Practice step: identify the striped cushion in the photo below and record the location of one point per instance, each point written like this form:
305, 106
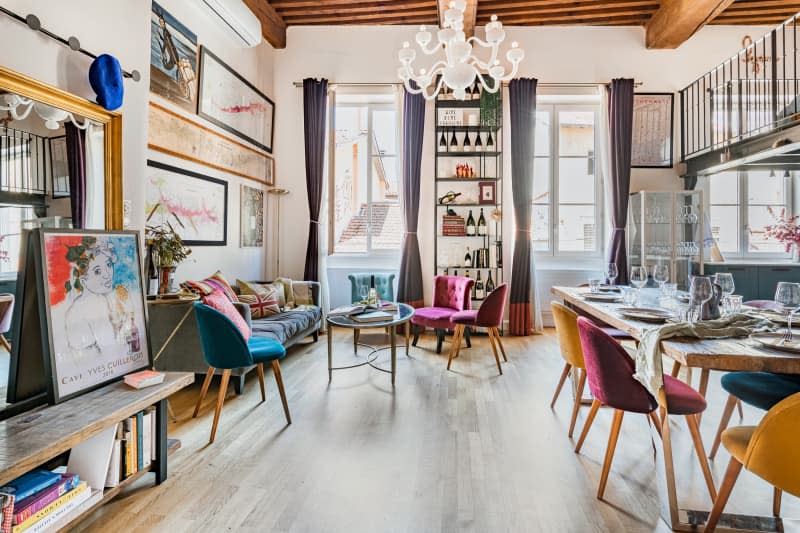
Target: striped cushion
262, 305
216, 281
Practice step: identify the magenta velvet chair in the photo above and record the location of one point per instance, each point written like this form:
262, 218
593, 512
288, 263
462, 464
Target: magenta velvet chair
490, 316
609, 370
451, 294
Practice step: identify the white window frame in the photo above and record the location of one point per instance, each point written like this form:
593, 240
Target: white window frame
371, 108
554, 203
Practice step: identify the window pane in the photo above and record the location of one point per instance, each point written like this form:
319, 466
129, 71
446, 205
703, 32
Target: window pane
541, 227
576, 228
387, 225
543, 123
763, 189
724, 188
385, 183
725, 227
350, 180
11, 218
541, 180
575, 132
575, 184
758, 217
384, 122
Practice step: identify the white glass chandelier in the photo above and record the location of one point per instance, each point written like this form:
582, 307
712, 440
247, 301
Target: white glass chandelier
20, 107
460, 67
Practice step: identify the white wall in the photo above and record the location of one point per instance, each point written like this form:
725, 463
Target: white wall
553, 54
122, 28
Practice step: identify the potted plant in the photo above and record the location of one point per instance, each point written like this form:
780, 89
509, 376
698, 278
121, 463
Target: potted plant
786, 231
166, 251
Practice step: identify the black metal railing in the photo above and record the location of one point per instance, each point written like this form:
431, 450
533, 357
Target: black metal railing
23, 162
753, 93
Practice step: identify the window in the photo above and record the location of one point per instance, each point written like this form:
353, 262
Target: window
739, 209
365, 197
11, 217
566, 188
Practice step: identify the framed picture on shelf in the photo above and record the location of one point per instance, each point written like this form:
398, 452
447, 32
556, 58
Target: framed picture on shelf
486, 192
652, 130
173, 59
233, 103
92, 308
252, 213
199, 202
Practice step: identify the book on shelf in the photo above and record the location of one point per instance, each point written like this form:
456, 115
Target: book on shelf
48, 515
147, 437
372, 316
153, 432
140, 441
6, 512
24, 509
144, 378
30, 483
114, 470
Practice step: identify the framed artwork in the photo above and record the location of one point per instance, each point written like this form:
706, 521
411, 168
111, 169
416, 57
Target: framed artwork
652, 130
94, 313
234, 104
252, 217
486, 192
59, 168
175, 135
173, 59
270, 175
199, 202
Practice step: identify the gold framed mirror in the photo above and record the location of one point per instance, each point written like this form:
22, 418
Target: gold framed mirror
27, 87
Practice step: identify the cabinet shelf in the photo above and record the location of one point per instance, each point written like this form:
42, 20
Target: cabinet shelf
468, 129
466, 205
468, 154
467, 180
474, 104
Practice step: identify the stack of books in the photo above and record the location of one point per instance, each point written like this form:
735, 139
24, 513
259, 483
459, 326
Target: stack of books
453, 226
134, 446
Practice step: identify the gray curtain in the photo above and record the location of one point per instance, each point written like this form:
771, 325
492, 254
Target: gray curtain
620, 117
522, 106
409, 283
315, 110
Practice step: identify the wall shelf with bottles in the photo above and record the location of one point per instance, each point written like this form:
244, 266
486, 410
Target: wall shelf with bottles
468, 239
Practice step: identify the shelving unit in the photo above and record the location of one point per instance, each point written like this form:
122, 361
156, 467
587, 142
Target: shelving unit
449, 250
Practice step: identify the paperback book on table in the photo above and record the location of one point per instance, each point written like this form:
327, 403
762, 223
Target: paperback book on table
357, 309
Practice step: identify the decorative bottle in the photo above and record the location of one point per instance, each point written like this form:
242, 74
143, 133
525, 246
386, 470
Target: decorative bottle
453, 142
468, 259
470, 224
479, 291
442, 143
478, 143
490, 143
489, 283
467, 146
481, 224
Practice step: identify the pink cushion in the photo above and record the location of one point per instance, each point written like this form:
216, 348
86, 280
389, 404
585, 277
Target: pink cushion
219, 301
433, 317
452, 291
681, 398
464, 317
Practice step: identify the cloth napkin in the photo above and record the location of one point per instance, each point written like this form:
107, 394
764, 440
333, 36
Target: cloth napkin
649, 370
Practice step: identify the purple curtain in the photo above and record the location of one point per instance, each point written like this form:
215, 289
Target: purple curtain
409, 284
620, 133
76, 164
315, 109
522, 105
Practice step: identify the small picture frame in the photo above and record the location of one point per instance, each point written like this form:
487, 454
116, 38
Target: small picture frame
486, 192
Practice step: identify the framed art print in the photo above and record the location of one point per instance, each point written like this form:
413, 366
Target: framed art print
233, 103
199, 202
94, 313
652, 130
173, 59
252, 213
486, 192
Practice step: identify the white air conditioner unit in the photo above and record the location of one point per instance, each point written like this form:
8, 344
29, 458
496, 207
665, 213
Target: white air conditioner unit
239, 19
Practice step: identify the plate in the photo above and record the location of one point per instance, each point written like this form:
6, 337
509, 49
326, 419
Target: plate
609, 288
647, 314
774, 340
602, 297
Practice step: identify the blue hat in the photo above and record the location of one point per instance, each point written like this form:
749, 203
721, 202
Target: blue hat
105, 77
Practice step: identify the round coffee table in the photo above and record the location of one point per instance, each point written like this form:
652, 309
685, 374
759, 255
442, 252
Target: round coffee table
402, 315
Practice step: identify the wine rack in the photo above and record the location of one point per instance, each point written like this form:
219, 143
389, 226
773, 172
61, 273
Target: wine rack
468, 135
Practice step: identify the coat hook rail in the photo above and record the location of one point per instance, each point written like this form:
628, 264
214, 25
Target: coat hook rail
33, 22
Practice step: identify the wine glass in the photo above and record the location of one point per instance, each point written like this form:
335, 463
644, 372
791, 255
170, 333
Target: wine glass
612, 273
363, 291
700, 291
661, 275
788, 295
638, 279
726, 284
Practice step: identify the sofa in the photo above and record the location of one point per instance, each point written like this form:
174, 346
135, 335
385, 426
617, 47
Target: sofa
184, 352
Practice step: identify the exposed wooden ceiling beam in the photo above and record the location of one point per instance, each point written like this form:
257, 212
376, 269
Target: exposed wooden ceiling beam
273, 27
428, 15
572, 7
470, 15
677, 20
340, 6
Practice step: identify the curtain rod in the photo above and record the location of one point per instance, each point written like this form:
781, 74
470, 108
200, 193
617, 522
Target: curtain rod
543, 84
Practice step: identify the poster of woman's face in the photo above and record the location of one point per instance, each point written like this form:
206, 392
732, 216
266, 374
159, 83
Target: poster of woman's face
95, 308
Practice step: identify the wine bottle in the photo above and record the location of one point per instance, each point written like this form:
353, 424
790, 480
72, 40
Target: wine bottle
468, 259
489, 283
152, 274
442, 143
499, 249
481, 224
455, 272
479, 291
478, 143
372, 299
470, 224
467, 146
490, 143
476, 90
453, 143
449, 198
466, 274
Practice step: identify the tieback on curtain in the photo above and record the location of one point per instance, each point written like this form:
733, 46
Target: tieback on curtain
520, 230
411, 232
314, 221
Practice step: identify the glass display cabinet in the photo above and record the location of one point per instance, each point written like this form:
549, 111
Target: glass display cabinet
667, 227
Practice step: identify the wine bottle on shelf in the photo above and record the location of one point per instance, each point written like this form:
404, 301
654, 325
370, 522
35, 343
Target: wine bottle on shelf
478, 143
453, 142
481, 224
442, 143
449, 198
490, 143
455, 272
466, 274
468, 259
152, 274
489, 283
479, 290
499, 249
470, 224
467, 145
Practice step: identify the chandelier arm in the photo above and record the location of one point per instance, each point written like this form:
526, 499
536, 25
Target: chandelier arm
492, 88
479, 41
487, 64
83, 126
24, 114
512, 74
429, 51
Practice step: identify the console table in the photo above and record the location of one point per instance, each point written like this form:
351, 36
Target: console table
31, 439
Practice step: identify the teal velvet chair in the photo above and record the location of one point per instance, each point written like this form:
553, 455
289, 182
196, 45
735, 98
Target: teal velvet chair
384, 283
224, 348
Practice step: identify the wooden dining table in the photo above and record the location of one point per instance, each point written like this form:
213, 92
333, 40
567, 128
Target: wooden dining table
733, 354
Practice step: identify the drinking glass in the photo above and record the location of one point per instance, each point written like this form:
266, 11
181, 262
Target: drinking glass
363, 292
661, 275
788, 295
612, 273
638, 279
733, 304
725, 282
594, 285
700, 291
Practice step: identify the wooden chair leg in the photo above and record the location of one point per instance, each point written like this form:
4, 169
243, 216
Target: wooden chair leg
723, 423
731, 474
741, 411
616, 424
588, 424
777, 495
456, 344
656, 421
223, 388
260, 371
676, 369
496, 334
203, 391
703, 388
694, 429
276, 369
5, 343
467, 338
577, 405
561, 380
494, 351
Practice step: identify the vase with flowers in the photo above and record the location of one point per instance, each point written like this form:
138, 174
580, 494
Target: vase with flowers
786, 231
166, 251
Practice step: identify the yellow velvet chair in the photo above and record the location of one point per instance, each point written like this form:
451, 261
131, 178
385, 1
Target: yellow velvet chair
566, 321
770, 451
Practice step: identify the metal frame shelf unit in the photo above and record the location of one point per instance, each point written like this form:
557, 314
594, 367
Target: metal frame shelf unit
456, 120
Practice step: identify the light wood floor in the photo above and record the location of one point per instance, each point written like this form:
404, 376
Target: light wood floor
465, 450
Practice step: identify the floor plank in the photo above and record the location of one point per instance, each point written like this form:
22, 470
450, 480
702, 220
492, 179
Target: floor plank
465, 450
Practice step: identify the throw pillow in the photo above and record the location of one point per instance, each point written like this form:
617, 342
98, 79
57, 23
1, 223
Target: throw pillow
248, 287
216, 281
301, 290
286, 283
219, 301
262, 305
